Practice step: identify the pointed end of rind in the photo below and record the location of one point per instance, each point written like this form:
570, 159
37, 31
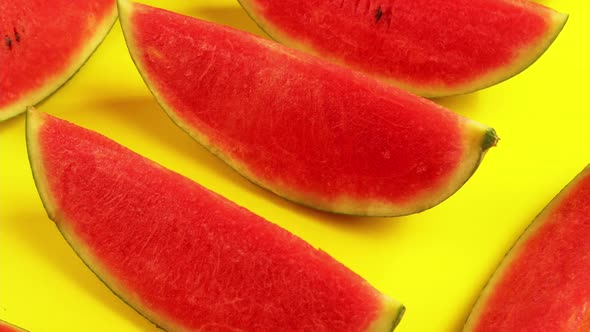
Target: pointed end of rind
559, 21
389, 316
490, 139
32, 124
34, 120
400, 314
124, 7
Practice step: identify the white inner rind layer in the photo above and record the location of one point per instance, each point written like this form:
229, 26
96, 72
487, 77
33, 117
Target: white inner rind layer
473, 133
389, 317
34, 122
514, 253
53, 83
525, 56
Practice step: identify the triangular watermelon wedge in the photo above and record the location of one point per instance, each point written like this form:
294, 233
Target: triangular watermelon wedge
44, 43
543, 283
433, 48
183, 256
315, 133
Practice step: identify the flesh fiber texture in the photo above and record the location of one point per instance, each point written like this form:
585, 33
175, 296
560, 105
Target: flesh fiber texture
430, 47
183, 256
542, 283
308, 130
44, 44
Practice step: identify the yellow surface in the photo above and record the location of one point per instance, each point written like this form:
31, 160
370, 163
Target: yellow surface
434, 262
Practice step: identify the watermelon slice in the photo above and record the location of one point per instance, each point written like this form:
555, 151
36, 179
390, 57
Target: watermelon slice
44, 43
7, 327
430, 47
183, 256
543, 283
310, 131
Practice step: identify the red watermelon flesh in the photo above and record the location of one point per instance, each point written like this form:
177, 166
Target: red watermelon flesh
543, 283
310, 131
7, 327
183, 256
430, 47
44, 43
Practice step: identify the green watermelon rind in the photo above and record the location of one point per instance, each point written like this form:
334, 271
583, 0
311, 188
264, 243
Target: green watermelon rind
392, 325
496, 76
478, 139
515, 250
52, 86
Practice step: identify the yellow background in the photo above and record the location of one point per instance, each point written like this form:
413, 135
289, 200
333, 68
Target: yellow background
434, 262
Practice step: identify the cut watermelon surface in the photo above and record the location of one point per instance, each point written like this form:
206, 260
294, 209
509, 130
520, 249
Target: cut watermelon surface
44, 44
430, 47
543, 283
183, 256
308, 130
